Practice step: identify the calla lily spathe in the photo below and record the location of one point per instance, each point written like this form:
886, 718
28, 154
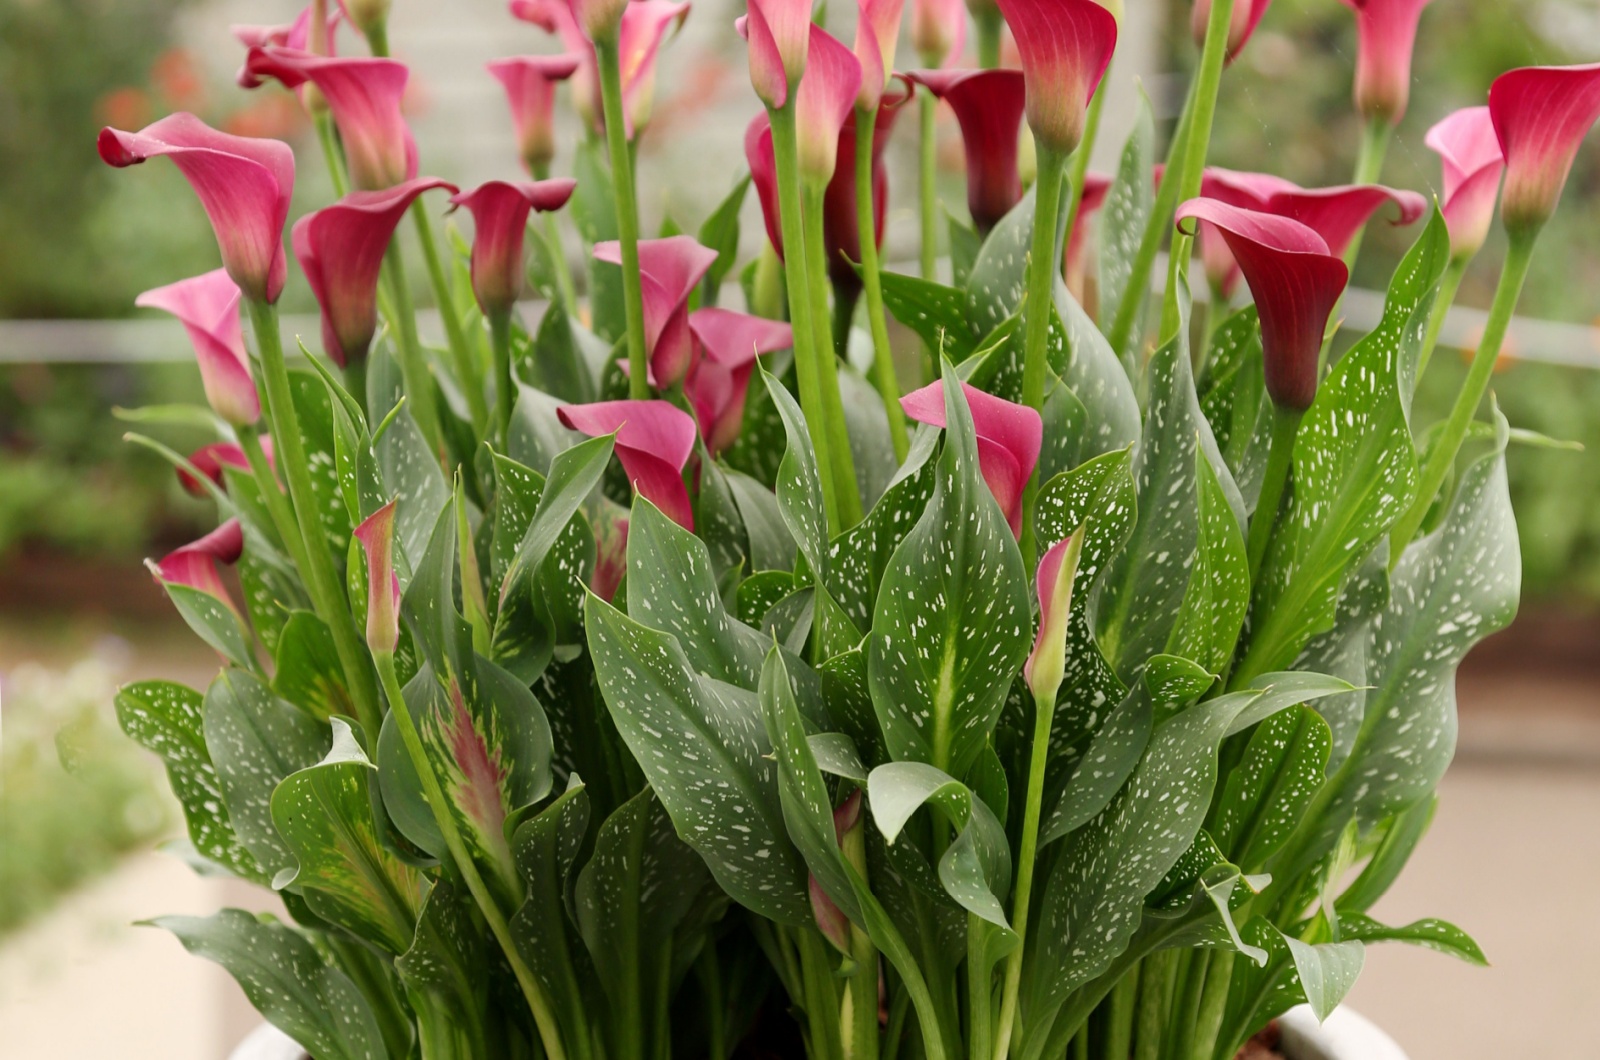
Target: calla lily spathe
296, 34
1009, 438
1541, 114
195, 565
670, 269
376, 535
988, 105
1241, 27
500, 212
243, 183
938, 31
877, 33
1047, 663
719, 382
1065, 46
340, 248
208, 307
823, 103
1469, 154
779, 36
530, 83
1386, 33
210, 460
654, 440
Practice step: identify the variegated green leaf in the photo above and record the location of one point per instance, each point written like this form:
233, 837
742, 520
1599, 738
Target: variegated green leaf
938, 314
546, 847
446, 974
213, 621
308, 671
1267, 792
1326, 971
1122, 219
1429, 933
857, 558
1213, 607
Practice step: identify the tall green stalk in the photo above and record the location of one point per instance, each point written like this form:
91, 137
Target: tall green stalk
989, 22
1280, 455
1442, 457
609, 68
1448, 286
866, 227
1375, 138
413, 359
927, 182
504, 382
455, 336
816, 260
327, 594
1043, 267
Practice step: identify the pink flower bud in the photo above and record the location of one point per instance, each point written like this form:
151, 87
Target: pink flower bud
823, 103
779, 35
877, 32
376, 534
210, 460
1241, 27
720, 380
1047, 664
1386, 33
208, 307
530, 84
938, 31
1469, 154
1065, 46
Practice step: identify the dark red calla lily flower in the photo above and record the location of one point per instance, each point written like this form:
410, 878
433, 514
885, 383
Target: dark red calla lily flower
500, 211
718, 384
1065, 46
1009, 438
208, 307
1296, 281
243, 183
340, 248
989, 105
364, 96
376, 535
195, 565
1241, 27
938, 31
654, 441
530, 83
1469, 154
209, 460
1541, 114
1076, 268
1386, 32
670, 269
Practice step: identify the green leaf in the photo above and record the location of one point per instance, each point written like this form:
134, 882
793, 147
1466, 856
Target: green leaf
857, 559
938, 314
836, 753
346, 874
546, 847
1429, 933
556, 362
554, 594
705, 753
1175, 681
287, 980
309, 674
1123, 218
315, 410
410, 473
1212, 611
446, 975
720, 232
1098, 380
964, 246
1233, 395
1101, 771
799, 483
1401, 834
1268, 791
950, 627
1326, 971
760, 593
167, 718
770, 545
213, 621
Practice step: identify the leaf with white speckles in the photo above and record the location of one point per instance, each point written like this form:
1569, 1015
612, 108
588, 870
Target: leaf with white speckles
1100, 772
546, 847
1429, 933
1233, 395
1123, 218
1326, 970
938, 314
857, 557
1267, 792
1212, 611
308, 671
446, 970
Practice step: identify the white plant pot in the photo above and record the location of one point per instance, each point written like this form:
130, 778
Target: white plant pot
1347, 1035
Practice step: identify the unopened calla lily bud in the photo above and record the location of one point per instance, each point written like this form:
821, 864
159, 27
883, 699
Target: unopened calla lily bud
823, 103
1386, 33
1065, 46
376, 534
208, 307
1047, 665
779, 36
1241, 27
938, 31
369, 16
1541, 114
847, 828
1469, 155
210, 460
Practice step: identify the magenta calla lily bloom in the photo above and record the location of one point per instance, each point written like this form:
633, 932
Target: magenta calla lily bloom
364, 96
500, 211
530, 84
296, 34
1096, 186
1338, 213
1009, 438
1541, 114
208, 307
1386, 32
210, 460
1058, 571
670, 269
1241, 27
763, 164
1065, 46
877, 33
195, 565
376, 534
1296, 281
720, 381
823, 103
779, 37
938, 31
1469, 154
340, 249
988, 105
654, 442
244, 184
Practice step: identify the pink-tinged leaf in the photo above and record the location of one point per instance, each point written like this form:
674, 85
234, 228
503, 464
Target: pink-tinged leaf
1469, 155
611, 553
988, 105
1241, 27
1296, 282
208, 307
1065, 46
1386, 32
779, 36
364, 96
376, 535
938, 31
823, 102
1009, 437
720, 381
670, 269
654, 440
1541, 114
499, 223
530, 83
340, 248
243, 183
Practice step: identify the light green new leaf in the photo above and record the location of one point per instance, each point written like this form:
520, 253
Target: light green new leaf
1326, 970
1429, 933
1401, 834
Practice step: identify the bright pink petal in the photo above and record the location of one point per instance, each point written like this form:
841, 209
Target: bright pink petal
938, 30
499, 222
779, 36
764, 175
376, 534
243, 183
1386, 32
530, 84
1066, 46
645, 24
209, 460
1337, 214
195, 565
720, 381
1541, 114
1469, 155
877, 32
1296, 282
823, 102
1009, 438
654, 440
340, 248
296, 34
1055, 606
208, 307
364, 96
670, 269
989, 105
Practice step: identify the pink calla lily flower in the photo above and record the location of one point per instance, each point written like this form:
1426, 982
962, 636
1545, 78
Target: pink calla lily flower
610, 552
340, 249
938, 31
364, 96
720, 381
1296, 280
530, 84
758, 154
877, 33
208, 307
1241, 27
599, 19
779, 37
195, 565
1058, 570
376, 535
210, 460
1009, 439
243, 183
1541, 114
500, 222
654, 441
823, 103
1386, 32
1065, 46
670, 270
1469, 154
1096, 186
989, 105
296, 34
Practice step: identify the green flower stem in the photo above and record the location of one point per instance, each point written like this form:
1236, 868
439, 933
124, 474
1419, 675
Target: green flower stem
1213, 1004
1448, 286
863, 1029
504, 383
1158, 975
1155, 228
927, 183
821, 997
1198, 141
894, 1033
882, 357
413, 360
608, 65
816, 261
1080, 1043
1079, 172
543, 1014
331, 153
378, 38
989, 22
1043, 718
327, 595
1118, 1042
455, 336
1285, 424
1442, 457
1044, 266
1369, 165
807, 373
278, 509
1186, 1004
980, 990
